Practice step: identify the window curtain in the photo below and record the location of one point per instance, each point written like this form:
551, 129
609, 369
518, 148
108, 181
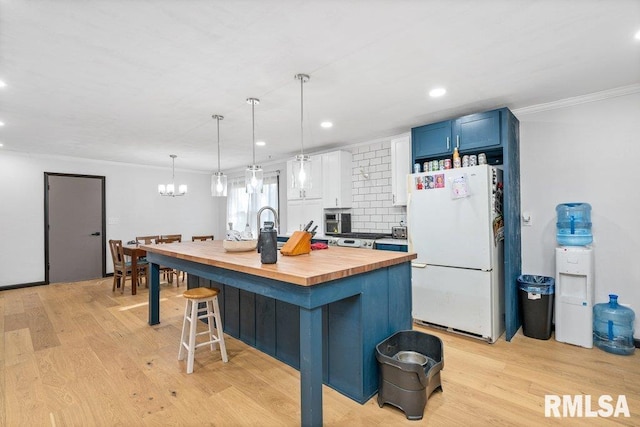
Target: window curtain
242, 207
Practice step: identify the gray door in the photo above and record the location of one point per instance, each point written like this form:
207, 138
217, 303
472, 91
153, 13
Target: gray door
74, 229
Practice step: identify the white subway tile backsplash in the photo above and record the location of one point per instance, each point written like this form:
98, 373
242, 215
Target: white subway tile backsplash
380, 154
377, 146
372, 209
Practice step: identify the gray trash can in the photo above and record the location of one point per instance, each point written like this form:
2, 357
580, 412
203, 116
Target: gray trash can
409, 363
536, 305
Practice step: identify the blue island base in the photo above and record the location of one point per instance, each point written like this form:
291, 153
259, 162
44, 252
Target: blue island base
351, 327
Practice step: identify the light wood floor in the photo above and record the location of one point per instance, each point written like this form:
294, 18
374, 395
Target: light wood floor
76, 354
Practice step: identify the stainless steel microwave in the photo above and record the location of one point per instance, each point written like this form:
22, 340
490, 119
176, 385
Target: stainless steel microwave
337, 223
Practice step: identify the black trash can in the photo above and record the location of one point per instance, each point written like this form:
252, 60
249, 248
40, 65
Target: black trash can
536, 305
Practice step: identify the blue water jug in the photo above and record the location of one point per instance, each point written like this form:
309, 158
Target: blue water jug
574, 224
613, 327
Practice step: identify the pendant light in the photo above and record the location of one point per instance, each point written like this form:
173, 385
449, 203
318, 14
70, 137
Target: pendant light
254, 174
170, 189
301, 171
218, 179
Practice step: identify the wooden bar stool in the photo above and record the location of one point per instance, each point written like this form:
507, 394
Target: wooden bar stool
211, 312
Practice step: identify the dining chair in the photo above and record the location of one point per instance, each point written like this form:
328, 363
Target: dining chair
122, 268
169, 272
201, 238
147, 240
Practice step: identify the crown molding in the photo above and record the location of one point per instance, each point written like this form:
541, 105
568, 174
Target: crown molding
576, 100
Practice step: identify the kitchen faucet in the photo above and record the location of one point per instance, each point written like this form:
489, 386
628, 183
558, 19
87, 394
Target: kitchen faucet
275, 216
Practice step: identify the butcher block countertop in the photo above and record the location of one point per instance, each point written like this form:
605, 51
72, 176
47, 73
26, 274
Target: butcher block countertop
305, 270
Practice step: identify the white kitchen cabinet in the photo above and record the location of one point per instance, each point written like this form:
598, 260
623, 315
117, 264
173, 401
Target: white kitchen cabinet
400, 168
337, 180
300, 212
315, 192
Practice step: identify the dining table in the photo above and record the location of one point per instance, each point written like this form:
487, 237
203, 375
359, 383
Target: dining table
135, 252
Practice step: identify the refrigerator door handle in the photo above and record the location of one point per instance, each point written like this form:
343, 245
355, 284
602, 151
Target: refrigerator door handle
418, 265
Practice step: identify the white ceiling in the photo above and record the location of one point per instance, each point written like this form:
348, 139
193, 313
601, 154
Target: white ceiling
135, 81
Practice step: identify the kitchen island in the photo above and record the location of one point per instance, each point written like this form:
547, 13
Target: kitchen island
345, 301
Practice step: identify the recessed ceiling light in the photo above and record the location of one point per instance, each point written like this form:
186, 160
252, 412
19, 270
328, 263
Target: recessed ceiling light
1, 144
637, 36
261, 143
2, 84
439, 91
326, 125
1, 123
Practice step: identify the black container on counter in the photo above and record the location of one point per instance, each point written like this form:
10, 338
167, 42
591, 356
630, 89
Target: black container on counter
268, 244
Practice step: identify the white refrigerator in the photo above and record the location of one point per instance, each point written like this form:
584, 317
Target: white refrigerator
455, 225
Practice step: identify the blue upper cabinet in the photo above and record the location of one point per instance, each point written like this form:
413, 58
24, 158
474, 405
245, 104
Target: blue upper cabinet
471, 134
431, 140
477, 131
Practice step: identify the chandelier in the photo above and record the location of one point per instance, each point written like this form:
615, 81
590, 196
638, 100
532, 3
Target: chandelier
170, 189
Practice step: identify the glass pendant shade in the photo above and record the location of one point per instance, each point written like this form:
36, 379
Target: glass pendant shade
218, 179
253, 178
301, 178
170, 189
218, 184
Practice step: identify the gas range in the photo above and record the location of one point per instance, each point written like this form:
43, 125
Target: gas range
356, 240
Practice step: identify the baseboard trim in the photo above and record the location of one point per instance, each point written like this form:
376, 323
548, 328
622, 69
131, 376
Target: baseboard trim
22, 285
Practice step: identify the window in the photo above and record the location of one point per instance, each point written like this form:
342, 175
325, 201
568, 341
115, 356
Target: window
242, 207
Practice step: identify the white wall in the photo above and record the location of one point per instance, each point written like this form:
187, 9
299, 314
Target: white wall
133, 207
585, 153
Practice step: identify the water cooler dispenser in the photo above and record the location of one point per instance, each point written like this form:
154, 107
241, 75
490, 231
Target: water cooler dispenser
574, 296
